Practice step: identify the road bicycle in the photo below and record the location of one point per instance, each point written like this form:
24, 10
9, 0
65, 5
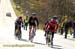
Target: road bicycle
32, 34
18, 33
49, 41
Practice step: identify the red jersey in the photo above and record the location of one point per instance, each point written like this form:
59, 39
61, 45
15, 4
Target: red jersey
52, 26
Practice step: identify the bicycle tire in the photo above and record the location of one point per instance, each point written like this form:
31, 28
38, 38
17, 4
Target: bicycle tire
18, 34
32, 36
48, 39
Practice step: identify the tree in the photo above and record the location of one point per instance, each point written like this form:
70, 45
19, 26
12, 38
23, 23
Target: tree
46, 8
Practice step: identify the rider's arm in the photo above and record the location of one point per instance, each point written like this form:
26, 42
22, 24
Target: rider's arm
47, 26
29, 20
37, 22
56, 28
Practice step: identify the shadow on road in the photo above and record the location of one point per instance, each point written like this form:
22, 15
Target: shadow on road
24, 40
32, 42
38, 43
57, 47
54, 46
72, 39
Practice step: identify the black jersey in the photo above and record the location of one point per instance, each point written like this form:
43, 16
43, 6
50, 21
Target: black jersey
33, 21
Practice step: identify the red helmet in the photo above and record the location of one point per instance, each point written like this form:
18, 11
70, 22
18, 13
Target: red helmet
20, 17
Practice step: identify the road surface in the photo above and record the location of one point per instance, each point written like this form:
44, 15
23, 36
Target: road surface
8, 41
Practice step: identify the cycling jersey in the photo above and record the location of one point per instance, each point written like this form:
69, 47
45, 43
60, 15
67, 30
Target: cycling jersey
33, 21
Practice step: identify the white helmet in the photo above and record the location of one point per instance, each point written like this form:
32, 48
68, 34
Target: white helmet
55, 17
33, 14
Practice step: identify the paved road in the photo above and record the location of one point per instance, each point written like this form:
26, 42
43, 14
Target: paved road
5, 6
7, 33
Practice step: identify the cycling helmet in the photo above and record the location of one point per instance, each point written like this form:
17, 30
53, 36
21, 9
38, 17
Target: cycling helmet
55, 17
20, 17
33, 14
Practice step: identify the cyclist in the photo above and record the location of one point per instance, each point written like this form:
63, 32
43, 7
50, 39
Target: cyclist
45, 27
51, 28
33, 23
18, 25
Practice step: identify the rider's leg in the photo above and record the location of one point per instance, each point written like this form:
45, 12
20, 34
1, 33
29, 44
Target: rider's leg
19, 33
46, 38
52, 38
30, 27
34, 28
52, 35
15, 30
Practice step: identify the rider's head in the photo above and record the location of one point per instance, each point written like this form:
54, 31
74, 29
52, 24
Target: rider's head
33, 15
20, 18
54, 17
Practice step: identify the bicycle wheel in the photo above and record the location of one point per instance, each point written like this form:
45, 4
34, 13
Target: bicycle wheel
18, 34
48, 39
32, 36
